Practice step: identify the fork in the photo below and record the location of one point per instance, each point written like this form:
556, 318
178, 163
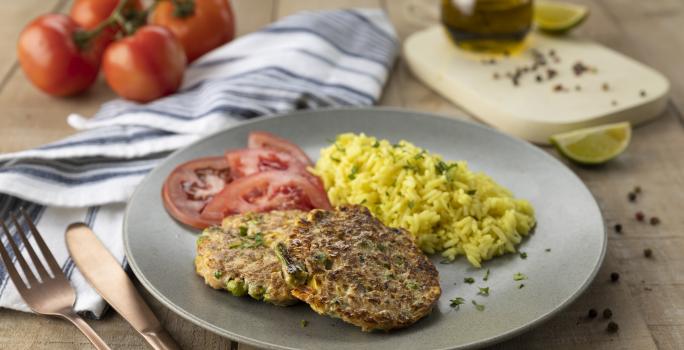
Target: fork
51, 295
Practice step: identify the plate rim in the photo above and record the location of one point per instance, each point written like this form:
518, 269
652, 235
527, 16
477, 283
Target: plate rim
475, 344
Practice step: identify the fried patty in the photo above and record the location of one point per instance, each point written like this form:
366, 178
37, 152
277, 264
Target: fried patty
237, 256
347, 264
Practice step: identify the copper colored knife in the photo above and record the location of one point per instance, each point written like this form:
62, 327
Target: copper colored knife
105, 274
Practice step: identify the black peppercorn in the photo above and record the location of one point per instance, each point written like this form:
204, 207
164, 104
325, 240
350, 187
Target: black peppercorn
654, 221
631, 196
612, 327
607, 313
592, 313
648, 252
618, 228
614, 276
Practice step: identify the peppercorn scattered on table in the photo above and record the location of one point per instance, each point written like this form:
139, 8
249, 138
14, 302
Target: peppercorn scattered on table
637, 299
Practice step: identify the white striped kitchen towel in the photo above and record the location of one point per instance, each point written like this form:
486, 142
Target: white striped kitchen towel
305, 61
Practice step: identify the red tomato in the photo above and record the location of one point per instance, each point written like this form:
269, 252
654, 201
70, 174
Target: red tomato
244, 162
51, 59
145, 66
191, 186
266, 191
263, 139
249, 161
89, 13
208, 27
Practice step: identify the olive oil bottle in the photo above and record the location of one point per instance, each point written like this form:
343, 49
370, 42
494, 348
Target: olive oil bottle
487, 25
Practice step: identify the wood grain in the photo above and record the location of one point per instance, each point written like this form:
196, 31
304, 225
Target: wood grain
647, 301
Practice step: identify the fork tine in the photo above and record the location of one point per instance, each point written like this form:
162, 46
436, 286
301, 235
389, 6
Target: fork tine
56, 269
14, 275
30, 277
36, 262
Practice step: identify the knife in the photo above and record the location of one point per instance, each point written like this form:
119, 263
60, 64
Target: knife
105, 274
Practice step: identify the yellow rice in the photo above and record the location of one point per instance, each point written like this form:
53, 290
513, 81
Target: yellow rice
446, 207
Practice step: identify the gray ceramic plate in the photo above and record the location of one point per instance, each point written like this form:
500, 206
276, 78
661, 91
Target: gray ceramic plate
161, 252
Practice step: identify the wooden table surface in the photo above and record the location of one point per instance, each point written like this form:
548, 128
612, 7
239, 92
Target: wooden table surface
648, 300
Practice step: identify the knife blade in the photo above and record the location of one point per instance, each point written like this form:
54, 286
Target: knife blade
106, 275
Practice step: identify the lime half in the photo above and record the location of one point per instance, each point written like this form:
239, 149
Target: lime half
594, 145
558, 17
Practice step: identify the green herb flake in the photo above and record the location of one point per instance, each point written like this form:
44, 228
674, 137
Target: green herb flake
471, 192
443, 168
411, 204
456, 302
354, 171
304, 323
469, 280
412, 285
548, 250
376, 144
521, 286
483, 291
486, 276
243, 231
479, 307
218, 274
419, 155
523, 255
336, 160
519, 276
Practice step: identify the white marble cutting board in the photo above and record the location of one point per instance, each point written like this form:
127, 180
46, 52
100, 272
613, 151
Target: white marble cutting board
618, 89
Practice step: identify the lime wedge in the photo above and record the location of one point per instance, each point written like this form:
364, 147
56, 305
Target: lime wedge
594, 145
558, 17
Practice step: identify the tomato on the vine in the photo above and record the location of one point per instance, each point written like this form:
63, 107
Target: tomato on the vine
90, 13
145, 66
54, 60
200, 25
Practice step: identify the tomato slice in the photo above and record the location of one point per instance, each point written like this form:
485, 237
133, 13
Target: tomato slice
266, 191
191, 186
263, 139
244, 162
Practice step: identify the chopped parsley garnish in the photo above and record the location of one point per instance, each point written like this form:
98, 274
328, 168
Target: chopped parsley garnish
456, 302
218, 274
483, 291
469, 280
243, 231
304, 323
354, 171
486, 276
519, 276
419, 155
548, 250
397, 145
523, 255
336, 160
479, 307
339, 148
411, 204
471, 192
376, 144
443, 168
521, 286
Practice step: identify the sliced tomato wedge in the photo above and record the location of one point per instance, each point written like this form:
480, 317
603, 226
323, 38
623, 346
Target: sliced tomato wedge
249, 161
191, 186
244, 162
266, 191
263, 139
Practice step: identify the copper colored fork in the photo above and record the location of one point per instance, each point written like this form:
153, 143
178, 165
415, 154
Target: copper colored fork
52, 294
